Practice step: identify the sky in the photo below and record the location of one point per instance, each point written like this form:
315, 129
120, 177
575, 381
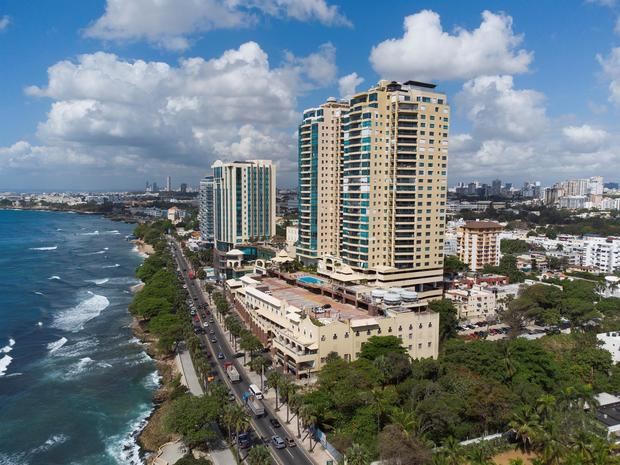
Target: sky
107, 94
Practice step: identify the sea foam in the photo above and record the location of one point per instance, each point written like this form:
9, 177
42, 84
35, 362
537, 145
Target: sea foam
54, 247
55, 277
98, 282
4, 364
56, 345
124, 448
74, 319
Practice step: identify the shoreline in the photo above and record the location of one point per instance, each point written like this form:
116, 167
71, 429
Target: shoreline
111, 216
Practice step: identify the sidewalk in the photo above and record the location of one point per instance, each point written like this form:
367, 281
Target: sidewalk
219, 453
319, 455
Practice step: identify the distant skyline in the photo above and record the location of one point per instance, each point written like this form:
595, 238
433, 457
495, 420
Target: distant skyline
106, 94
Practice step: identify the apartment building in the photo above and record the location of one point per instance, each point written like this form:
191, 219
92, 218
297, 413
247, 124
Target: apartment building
479, 244
205, 212
244, 195
320, 165
385, 152
473, 304
301, 332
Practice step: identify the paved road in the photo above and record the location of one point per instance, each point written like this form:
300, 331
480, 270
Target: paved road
262, 427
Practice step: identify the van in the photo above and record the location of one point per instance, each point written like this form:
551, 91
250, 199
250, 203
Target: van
255, 391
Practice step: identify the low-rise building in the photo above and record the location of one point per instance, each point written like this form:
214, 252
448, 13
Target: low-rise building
473, 304
611, 343
532, 262
302, 328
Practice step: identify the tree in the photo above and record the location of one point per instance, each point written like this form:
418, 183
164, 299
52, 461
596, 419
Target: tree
452, 264
236, 420
274, 379
190, 417
259, 455
526, 426
448, 319
258, 365
381, 345
395, 448
514, 246
357, 455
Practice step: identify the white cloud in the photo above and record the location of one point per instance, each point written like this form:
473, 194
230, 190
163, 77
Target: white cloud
584, 138
497, 110
171, 23
607, 3
111, 112
347, 85
611, 70
4, 22
427, 52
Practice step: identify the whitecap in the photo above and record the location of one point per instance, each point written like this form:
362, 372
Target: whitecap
98, 282
44, 248
94, 233
137, 250
113, 231
124, 448
9, 347
152, 381
74, 319
77, 349
56, 345
99, 252
85, 365
54, 440
116, 265
55, 277
38, 292
39, 324
106, 248
4, 364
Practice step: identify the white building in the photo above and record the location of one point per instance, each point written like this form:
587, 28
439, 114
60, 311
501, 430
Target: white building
611, 343
473, 304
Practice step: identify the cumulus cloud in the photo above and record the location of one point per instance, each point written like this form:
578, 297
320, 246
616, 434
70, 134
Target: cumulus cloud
171, 23
427, 52
347, 85
4, 22
109, 112
497, 110
585, 138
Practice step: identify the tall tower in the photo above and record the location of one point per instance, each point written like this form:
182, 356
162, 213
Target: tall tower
205, 212
168, 184
244, 196
393, 176
320, 161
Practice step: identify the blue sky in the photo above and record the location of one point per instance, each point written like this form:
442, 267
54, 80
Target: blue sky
532, 86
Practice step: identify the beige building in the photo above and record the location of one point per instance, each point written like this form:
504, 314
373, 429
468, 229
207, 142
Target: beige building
474, 304
301, 332
479, 244
320, 181
394, 156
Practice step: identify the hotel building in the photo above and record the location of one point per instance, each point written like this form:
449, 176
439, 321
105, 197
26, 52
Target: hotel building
320, 165
391, 173
205, 212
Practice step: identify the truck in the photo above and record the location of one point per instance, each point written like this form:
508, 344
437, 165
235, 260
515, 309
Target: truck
255, 406
232, 372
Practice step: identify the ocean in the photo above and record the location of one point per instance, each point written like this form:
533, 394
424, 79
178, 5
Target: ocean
75, 385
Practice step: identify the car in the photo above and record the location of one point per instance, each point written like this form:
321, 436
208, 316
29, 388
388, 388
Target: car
210, 320
278, 442
231, 396
290, 442
275, 423
213, 339
184, 286
193, 313
220, 355
212, 331
206, 325
238, 355
244, 440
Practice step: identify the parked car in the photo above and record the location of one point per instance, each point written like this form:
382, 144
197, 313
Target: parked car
244, 440
275, 423
278, 442
214, 339
220, 356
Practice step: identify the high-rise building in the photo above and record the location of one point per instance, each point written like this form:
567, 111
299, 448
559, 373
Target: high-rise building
391, 173
496, 188
168, 184
478, 244
205, 212
320, 160
244, 196
183, 188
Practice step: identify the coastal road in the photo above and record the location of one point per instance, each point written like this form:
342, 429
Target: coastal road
263, 428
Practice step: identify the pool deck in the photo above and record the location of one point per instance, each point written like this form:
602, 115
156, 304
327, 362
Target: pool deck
302, 298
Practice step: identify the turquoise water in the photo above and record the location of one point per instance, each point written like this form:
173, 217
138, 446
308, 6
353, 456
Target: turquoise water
75, 386
310, 280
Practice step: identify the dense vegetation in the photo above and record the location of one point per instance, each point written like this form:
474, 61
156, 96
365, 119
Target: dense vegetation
389, 405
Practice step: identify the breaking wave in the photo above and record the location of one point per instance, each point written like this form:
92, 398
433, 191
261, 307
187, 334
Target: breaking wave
74, 319
44, 248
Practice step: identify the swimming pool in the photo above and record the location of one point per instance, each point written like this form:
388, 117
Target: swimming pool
310, 280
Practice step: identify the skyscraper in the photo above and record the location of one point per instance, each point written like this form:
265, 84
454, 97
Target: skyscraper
205, 212
392, 177
320, 162
168, 184
244, 196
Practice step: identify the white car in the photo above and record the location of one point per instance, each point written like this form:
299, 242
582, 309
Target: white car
206, 325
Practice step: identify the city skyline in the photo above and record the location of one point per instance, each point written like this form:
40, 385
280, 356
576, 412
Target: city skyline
127, 97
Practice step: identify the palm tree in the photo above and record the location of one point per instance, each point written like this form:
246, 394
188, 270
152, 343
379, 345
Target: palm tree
287, 389
274, 378
259, 455
236, 419
480, 455
552, 449
308, 415
258, 365
357, 455
453, 451
295, 401
546, 406
525, 424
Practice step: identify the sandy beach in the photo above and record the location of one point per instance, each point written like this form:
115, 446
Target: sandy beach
143, 247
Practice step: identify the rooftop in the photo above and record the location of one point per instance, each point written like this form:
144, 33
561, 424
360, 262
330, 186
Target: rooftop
482, 225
